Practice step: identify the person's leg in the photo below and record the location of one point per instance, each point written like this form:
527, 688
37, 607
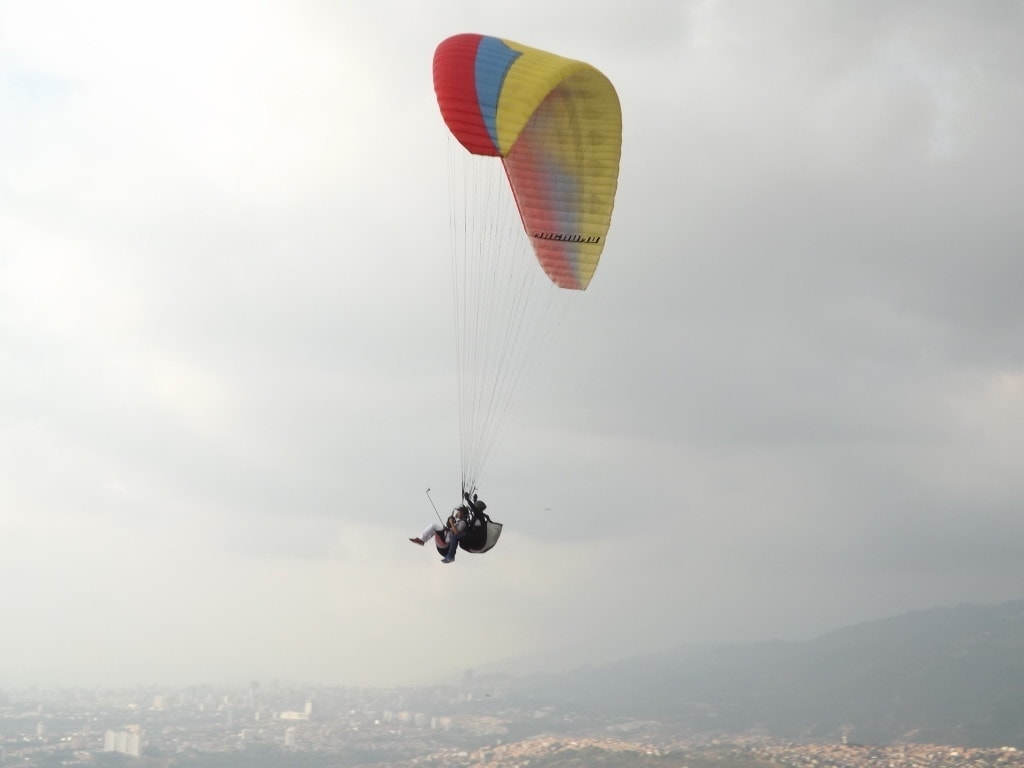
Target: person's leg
429, 533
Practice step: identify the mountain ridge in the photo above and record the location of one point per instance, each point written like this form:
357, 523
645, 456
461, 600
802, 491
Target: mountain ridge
943, 675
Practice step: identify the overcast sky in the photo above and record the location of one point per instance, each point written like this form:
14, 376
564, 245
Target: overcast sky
792, 398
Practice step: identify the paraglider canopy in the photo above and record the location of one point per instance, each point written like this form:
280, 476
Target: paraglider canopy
557, 126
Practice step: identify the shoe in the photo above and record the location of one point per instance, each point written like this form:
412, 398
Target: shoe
417, 540
447, 560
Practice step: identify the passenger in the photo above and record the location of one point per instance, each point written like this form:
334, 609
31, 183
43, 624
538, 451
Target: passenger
447, 536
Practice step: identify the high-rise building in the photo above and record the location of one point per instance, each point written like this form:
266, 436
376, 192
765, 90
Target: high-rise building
127, 742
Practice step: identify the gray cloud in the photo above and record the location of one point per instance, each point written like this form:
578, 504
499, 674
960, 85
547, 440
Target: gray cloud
792, 398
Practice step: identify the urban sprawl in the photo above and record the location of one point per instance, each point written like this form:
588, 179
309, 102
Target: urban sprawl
276, 724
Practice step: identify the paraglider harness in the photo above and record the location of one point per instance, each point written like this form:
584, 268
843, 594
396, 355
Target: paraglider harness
482, 533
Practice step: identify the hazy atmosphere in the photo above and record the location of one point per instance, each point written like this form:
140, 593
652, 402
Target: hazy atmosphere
791, 399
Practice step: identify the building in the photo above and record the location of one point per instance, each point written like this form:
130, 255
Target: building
126, 742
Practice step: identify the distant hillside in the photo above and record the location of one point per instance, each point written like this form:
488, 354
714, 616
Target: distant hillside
946, 676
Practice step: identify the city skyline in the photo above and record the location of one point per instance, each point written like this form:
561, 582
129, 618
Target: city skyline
207, 724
